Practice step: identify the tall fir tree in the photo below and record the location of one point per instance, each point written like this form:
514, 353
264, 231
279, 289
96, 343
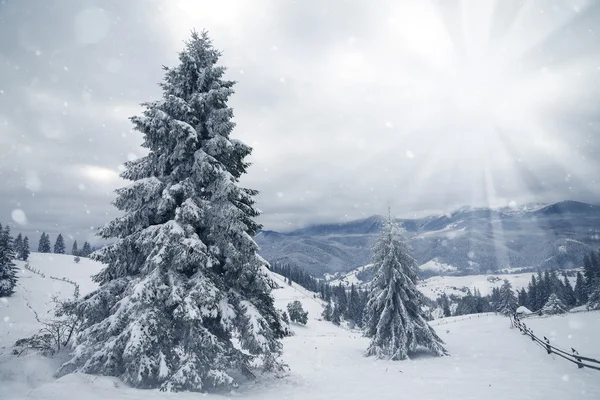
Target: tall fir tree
8, 271
581, 290
74, 249
446, 306
568, 292
532, 291
523, 299
355, 308
184, 301
86, 250
508, 301
44, 244
59, 245
394, 319
18, 246
25, 250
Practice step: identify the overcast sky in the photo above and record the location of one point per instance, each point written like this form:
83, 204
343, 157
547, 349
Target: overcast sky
349, 105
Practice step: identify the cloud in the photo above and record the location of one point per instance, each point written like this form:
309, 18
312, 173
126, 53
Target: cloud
349, 106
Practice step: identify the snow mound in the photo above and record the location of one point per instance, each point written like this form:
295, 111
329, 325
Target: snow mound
523, 310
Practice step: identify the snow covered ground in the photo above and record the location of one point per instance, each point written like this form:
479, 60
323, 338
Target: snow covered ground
488, 359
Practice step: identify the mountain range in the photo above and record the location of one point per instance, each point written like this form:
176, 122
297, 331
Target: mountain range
466, 241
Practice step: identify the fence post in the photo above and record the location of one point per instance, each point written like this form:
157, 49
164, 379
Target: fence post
548, 348
575, 354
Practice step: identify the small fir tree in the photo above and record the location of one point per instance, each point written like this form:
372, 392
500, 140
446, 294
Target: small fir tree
8, 271
554, 306
25, 249
74, 249
297, 313
86, 250
59, 245
18, 246
508, 302
44, 243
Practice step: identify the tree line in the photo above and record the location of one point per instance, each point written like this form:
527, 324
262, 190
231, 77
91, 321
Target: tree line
44, 246
548, 283
17, 248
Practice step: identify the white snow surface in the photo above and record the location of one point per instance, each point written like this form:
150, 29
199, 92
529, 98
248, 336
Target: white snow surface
488, 358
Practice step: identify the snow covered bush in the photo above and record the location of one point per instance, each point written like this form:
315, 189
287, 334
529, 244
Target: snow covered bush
554, 306
77, 259
394, 319
297, 313
285, 322
184, 301
594, 300
56, 333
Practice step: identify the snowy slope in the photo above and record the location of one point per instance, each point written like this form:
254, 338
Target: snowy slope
433, 287
488, 360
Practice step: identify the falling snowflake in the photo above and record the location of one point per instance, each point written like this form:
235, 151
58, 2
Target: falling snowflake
19, 216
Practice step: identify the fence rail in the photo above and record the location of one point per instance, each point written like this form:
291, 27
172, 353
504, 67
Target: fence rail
64, 279
572, 356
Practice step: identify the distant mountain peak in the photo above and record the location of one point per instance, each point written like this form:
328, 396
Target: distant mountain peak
472, 239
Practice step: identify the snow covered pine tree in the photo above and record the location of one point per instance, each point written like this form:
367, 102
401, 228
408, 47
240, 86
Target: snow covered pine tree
394, 319
8, 271
554, 306
184, 300
507, 303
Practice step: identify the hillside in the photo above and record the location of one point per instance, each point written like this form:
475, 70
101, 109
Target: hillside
488, 359
466, 241
434, 286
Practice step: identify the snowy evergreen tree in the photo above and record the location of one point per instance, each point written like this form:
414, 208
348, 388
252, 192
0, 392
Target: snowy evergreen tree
59, 245
568, 292
522, 298
327, 311
336, 314
355, 308
591, 270
25, 249
86, 250
285, 323
446, 306
18, 246
594, 300
8, 271
581, 293
507, 302
74, 249
554, 306
184, 301
532, 294
394, 319
44, 244
297, 313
